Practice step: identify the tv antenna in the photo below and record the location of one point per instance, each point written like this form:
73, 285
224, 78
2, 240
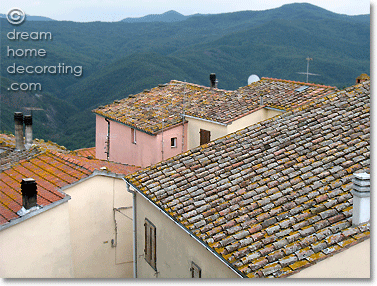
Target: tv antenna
33, 108
307, 70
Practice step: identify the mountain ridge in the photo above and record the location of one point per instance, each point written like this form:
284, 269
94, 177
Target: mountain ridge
122, 58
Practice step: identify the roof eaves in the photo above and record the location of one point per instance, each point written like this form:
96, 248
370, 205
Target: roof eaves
210, 249
206, 120
126, 124
94, 174
36, 212
299, 82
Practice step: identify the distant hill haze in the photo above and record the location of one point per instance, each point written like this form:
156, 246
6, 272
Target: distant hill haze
169, 16
32, 18
122, 58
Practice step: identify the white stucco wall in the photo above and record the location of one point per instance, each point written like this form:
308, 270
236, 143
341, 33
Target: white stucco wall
93, 227
38, 247
175, 249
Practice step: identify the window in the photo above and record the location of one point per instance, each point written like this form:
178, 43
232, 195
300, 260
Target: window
133, 136
173, 142
196, 272
150, 244
205, 136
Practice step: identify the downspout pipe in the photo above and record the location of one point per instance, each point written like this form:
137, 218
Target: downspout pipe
108, 140
134, 227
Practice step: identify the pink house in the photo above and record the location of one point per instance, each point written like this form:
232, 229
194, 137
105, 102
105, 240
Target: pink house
118, 142
156, 124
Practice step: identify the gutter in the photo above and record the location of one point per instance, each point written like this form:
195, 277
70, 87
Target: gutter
134, 227
185, 230
207, 120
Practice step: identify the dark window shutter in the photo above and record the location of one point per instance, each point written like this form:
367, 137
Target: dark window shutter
205, 136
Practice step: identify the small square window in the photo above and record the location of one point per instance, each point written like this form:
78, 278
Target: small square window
173, 142
133, 135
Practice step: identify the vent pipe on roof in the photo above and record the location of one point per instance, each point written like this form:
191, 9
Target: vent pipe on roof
361, 198
28, 120
212, 78
29, 193
19, 130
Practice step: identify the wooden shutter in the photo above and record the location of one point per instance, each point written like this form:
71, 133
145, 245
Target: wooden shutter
150, 244
205, 136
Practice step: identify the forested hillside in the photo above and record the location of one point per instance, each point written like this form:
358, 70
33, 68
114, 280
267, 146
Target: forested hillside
123, 58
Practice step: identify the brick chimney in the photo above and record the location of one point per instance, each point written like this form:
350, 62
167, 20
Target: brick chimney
363, 77
212, 78
28, 120
361, 198
19, 130
29, 193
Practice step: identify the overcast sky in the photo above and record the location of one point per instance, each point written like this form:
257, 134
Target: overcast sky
116, 10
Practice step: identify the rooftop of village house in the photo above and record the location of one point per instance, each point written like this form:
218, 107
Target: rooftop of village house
272, 198
52, 166
146, 110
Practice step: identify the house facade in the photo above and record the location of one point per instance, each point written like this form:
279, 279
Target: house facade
76, 224
172, 118
282, 198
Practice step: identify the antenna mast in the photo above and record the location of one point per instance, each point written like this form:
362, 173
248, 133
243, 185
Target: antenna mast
308, 59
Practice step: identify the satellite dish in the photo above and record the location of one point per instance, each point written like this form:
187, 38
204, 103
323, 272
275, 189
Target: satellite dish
252, 78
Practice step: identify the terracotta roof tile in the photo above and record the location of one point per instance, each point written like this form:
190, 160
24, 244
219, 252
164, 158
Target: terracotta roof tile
146, 110
51, 165
293, 206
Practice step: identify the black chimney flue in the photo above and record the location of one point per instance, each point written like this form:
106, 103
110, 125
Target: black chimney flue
212, 78
29, 193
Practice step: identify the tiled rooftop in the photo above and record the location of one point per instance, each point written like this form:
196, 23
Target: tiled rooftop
52, 166
146, 110
50, 172
272, 198
86, 152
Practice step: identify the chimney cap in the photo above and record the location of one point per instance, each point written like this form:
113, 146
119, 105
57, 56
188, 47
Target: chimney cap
362, 176
28, 181
18, 116
28, 119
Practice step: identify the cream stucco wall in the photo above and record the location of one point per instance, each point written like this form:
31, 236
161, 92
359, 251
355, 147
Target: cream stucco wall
194, 126
252, 118
351, 263
93, 227
176, 249
38, 247
219, 130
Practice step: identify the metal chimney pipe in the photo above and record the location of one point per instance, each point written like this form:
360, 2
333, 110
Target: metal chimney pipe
361, 198
28, 120
29, 193
19, 130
